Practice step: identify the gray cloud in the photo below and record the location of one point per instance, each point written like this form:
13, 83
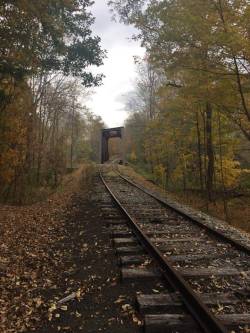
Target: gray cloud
118, 68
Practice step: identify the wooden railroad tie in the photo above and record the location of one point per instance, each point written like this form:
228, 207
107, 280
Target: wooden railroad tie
144, 273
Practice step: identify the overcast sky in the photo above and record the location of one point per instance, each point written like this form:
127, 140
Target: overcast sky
119, 68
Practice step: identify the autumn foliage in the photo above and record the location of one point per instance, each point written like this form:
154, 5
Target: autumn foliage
190, 124
45, 49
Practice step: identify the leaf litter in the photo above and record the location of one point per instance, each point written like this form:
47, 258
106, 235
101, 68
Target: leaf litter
31, 261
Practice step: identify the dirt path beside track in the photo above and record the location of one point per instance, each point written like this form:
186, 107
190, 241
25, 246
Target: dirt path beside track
55, 249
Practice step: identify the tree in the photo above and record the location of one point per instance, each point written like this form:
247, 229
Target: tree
143, 103
13, 141
199, 41
202, 50
186, 145
94, 126
63, 134
46, 48
45, 36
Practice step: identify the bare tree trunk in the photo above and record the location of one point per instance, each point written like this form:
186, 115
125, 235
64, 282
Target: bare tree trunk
184, 174
30, 142
222, 172
199, 151
210, 151
72, 135
184, 180
40, 149
205, 155
237, 73
151, 78
166, 175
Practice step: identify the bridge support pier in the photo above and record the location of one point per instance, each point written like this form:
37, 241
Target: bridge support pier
106, 134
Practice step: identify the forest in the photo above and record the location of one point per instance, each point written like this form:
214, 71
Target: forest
135, 245
188, 127
189, 123
45, 128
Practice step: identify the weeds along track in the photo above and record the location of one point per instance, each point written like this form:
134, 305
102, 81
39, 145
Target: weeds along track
194, 279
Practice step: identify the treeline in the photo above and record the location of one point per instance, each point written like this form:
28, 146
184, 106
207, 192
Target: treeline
190, 124
45, 129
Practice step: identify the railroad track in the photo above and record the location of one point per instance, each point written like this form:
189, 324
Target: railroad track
203, 274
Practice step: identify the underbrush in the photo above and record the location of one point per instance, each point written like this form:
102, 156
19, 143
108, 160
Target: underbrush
27, 192
238, 207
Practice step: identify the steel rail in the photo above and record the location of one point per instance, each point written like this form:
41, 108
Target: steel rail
198, 310
217, 233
